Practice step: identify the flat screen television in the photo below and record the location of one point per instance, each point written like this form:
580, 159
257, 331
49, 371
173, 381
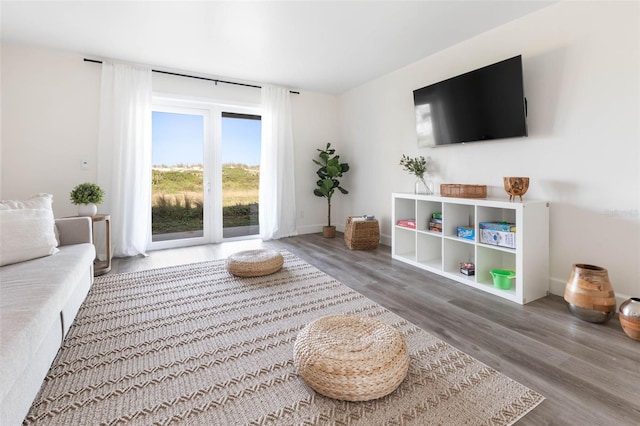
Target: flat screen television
480, 105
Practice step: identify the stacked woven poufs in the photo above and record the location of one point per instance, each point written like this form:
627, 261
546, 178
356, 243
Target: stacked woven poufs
254, 263
351, 358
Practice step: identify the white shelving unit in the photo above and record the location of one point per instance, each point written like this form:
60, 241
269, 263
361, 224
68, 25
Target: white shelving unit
442, 253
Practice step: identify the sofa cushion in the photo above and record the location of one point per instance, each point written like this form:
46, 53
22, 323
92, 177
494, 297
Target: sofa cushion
33, 295
26, 229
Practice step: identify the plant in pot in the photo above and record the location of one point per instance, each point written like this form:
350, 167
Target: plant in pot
330, 170
86, 196
420, 167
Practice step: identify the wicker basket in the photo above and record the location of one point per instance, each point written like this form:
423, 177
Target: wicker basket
254, 263
361, 234
350, 357
463, 191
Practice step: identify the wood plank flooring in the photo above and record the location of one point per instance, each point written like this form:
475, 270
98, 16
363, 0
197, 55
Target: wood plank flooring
589, 373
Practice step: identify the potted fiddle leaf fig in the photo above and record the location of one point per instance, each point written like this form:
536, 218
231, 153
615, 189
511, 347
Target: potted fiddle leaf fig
330, 170
86, 196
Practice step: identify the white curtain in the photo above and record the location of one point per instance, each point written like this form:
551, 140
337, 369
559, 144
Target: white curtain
277, 190
124, 155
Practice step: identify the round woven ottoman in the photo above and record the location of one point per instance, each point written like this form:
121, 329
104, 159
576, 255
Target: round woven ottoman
350, 357
254, 263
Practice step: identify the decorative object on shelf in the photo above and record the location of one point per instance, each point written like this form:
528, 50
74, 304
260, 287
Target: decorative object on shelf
463, 191
435, 222
421, 186
466, 232
86, 196
502, 278
589, 294
630, 317
420, 167
516, 186
407, 223
467, 268
330, 170
498, 233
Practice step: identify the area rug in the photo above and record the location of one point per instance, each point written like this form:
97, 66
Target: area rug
194, 345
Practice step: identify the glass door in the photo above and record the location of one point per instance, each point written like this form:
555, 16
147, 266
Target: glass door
179, 177
206, 172
241, 134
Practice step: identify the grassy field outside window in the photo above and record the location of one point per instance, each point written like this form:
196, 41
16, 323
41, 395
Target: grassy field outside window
177, 197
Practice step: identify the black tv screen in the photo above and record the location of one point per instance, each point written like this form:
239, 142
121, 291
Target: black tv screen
484, 104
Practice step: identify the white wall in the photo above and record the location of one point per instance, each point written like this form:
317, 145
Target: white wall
49, 124
581, 70
50, 103
315, 122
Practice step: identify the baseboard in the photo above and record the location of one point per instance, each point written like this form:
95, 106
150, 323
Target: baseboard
313, 229
556, 286
309, 229
385, 240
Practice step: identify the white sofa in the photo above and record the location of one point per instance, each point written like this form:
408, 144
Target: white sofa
39, 300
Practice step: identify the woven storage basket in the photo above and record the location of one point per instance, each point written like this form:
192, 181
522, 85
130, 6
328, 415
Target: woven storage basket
351, 358
362, 234
463, 191
254, 263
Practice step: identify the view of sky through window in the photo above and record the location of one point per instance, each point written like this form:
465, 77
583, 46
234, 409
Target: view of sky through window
178, 139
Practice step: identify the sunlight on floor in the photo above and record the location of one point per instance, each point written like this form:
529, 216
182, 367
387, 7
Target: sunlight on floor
184, 255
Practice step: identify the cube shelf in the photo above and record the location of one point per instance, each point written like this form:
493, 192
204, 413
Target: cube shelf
442, 252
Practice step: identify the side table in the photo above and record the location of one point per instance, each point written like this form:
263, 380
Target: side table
101, 267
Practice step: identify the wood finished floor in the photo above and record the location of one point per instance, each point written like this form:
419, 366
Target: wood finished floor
589, 373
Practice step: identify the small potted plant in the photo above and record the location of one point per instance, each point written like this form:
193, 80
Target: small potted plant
418, 166
86, 196
330, 170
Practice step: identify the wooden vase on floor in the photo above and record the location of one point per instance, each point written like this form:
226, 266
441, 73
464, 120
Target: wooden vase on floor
630, 317
589, 294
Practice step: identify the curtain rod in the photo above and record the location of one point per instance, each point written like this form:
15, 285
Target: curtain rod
216, 81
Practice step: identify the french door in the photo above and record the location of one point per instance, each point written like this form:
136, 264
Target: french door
205, 173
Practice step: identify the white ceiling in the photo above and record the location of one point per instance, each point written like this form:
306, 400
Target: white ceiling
315, 45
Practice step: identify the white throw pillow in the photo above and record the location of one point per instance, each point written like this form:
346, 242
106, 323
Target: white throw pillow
27, 229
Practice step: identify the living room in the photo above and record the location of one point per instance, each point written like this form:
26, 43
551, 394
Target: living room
582, 82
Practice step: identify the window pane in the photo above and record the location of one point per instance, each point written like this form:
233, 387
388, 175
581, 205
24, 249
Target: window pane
241, 135
177, 208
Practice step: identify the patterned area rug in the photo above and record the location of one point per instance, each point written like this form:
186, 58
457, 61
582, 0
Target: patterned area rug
194, 345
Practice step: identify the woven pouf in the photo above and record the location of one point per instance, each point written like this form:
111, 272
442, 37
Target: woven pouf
254, 263
350, 357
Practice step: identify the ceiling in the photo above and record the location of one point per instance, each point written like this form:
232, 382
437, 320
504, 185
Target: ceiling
325, 46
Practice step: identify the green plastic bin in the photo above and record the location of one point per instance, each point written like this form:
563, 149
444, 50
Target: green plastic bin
502, 278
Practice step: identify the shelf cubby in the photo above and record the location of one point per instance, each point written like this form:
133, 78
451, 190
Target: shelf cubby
496, 214
489, 258
455, 215
404, 209
424, 212
456, 252
405, 243
429, 250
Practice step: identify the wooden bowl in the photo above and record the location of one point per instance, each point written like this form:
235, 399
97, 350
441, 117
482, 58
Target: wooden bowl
516, 186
